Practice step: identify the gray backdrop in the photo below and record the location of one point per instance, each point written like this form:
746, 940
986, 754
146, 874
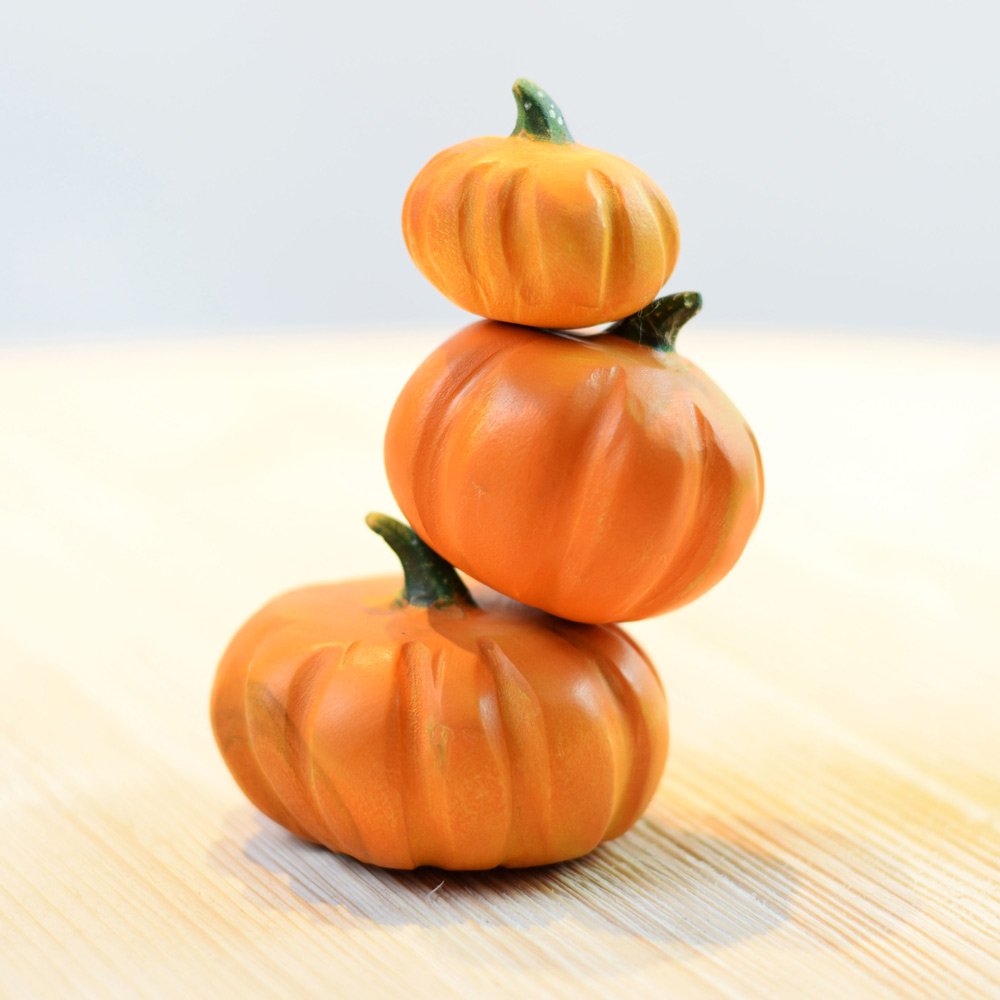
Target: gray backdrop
239, 165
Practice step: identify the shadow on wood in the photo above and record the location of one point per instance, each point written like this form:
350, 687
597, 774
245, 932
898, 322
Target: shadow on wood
655, 883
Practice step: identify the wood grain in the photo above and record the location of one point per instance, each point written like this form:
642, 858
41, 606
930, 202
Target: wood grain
829, 824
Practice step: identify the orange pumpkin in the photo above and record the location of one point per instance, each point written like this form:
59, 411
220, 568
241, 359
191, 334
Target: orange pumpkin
536, 229
600, 478
432, 729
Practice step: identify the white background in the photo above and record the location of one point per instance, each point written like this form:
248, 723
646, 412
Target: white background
221, 165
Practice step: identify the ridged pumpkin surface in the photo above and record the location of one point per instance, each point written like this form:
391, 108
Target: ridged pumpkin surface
526, 231
593, 477
463, 737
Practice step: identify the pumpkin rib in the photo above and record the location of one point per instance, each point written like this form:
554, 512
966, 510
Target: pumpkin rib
546, 743
468, 223
233, 741
606, 424
648, 720
427, 435
351, 840
622, 487
504, 244
696, 563
422, 796
677, 532
633, 729
698, 560
622, 252
507, 203
530, 743
492, 725
300, 702
638, 790
533, 288
618, 740
630, 766
427, 453
603, 541
421, 250
626, 255
691, 499
435, 668
600, 181
488, 211
231, 727
400, 734
283, 813
683, 499
453, 179
662, 226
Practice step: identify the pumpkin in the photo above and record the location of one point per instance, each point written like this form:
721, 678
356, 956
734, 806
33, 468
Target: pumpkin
438, 727
601, 478
533, 228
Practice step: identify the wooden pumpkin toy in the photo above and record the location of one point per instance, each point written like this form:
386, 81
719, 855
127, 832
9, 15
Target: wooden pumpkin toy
601, 479
534, 228
438, 727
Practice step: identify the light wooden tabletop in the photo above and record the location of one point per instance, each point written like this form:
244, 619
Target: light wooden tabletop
829, 822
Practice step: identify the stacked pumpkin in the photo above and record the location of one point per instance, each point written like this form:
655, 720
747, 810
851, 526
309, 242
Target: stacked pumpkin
583, 479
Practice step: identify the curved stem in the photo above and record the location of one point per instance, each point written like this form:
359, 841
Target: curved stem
429, 581
538, 116
658, 324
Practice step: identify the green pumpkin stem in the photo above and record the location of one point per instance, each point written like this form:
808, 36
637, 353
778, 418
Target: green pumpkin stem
658, 324
538, 116
428, 580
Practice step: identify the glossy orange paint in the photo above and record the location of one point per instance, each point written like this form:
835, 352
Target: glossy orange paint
458, 736
596, 478
547, 233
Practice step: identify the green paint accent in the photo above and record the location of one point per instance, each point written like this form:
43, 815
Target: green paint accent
658, 324
429, 581
538, 116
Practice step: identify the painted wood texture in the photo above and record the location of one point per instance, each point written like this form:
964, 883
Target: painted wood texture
828, 822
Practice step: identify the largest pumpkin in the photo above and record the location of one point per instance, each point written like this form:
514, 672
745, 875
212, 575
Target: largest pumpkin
535, 228
438, 727
600, 478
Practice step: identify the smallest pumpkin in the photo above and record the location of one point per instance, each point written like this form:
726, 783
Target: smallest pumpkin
429, 728
538, 230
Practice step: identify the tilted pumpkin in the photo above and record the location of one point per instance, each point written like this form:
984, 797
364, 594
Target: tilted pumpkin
600, 478
431, 728
534, 228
